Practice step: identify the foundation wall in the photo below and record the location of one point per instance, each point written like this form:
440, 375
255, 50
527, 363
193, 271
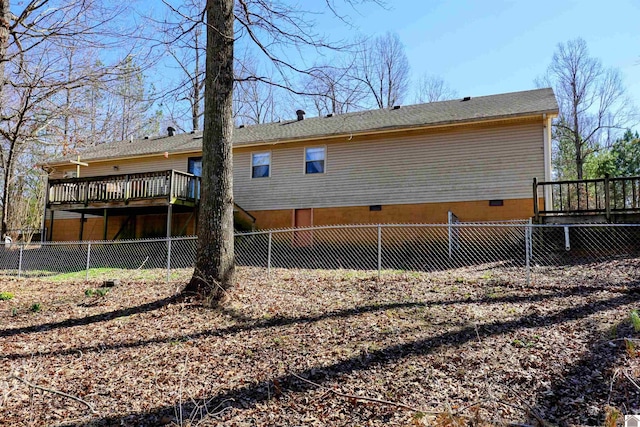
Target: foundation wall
422, 213
139, 227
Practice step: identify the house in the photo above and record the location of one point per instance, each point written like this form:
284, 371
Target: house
475, 157
632, 421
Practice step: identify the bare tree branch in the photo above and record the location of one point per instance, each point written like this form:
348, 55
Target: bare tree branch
592, 101
383, 68
432, 88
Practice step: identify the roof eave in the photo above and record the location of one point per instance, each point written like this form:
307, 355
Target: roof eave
381, 130
551, 113
111, 158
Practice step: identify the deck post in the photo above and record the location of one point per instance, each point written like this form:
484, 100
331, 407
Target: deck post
86, 193
536, 210
169, 211
105, 221
195, 219
51, 226
607, 199
43, 232
135, 226
81, 226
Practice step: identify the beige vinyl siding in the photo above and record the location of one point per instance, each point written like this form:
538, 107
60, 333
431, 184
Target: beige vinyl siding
455, 165
147, 164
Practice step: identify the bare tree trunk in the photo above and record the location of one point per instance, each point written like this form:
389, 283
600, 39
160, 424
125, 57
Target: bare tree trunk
576, 131
195, 106
579, 159
215, 260
6, 191
4, 38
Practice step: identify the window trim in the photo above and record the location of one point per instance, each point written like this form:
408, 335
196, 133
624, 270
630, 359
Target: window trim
251, 164
304, 160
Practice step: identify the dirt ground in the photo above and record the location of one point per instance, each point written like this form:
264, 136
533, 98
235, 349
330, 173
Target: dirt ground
326, 348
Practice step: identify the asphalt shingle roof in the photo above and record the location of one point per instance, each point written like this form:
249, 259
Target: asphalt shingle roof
508, 105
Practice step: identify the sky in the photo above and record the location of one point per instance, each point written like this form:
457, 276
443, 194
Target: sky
485, 47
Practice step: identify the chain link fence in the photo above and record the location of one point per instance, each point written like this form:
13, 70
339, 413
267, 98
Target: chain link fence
521, 249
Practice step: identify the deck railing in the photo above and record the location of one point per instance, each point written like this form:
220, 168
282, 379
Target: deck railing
589, 196
171, 184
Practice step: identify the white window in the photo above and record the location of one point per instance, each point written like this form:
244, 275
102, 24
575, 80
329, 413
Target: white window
260, 165
314, 158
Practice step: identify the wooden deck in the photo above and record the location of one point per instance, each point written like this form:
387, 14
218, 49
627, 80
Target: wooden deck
161, 188
130, 195
611, 200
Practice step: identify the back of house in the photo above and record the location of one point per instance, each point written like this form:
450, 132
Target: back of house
475, 157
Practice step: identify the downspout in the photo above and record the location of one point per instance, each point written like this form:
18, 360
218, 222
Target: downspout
546, 136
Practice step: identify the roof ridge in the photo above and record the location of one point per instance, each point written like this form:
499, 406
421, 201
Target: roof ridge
457, 111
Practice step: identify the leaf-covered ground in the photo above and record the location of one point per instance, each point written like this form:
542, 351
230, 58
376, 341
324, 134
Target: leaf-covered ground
306, 348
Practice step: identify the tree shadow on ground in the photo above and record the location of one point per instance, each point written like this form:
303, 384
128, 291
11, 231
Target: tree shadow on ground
581, 395
96, 318
248, 323
253, 394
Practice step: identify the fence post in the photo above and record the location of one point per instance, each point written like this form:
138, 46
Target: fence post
269, 256
527, 250
449, 221
20, 261
86, 279
536, 208
531, 228
607, 198
168, 259
379, 249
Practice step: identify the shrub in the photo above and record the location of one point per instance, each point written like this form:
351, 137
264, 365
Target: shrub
635, 320
101, 292
6, 296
